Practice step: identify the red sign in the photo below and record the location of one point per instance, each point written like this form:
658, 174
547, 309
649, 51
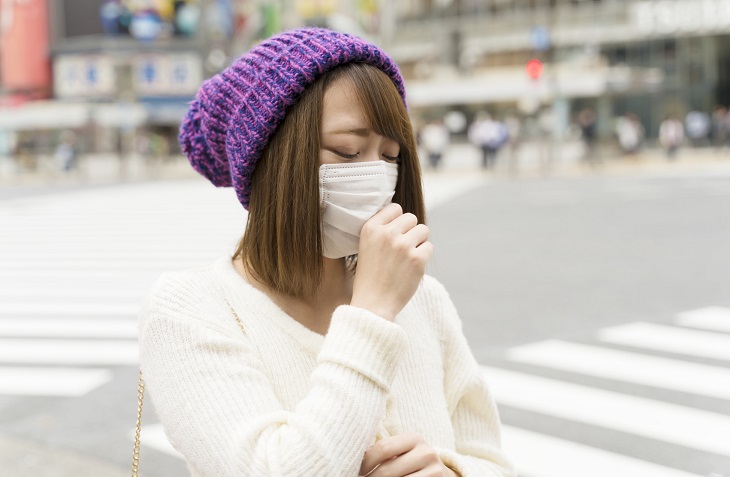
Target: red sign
24, 43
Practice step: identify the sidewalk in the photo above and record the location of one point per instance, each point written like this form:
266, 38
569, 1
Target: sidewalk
531, 160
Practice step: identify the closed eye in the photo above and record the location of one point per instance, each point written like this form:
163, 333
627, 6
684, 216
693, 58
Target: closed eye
347, 156
395, 159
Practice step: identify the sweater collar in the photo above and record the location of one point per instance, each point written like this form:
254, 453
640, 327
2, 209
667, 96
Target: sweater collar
243, 295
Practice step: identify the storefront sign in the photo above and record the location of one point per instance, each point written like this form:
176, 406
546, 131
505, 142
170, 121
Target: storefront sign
82, 76
167, 75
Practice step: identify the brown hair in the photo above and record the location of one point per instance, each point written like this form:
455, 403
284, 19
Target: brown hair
282, 245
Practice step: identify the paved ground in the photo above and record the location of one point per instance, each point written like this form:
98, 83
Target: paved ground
582, 294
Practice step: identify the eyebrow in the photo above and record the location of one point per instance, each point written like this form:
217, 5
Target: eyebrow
362, 132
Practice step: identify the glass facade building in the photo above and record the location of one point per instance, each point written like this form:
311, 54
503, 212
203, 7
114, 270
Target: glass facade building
648, 57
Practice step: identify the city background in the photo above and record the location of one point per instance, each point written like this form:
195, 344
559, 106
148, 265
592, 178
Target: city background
577, 178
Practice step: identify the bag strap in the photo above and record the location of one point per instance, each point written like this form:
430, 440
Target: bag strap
140, 401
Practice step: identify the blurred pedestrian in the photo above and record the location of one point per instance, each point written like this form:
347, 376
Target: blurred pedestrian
587, 125
514, 139
435, 139
720, 127
630, 133
489, 135
65, 154
319, 347
697, 126
671, 135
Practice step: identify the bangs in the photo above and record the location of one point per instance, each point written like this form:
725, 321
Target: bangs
379, 100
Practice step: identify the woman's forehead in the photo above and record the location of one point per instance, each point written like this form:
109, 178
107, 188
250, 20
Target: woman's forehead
341, 109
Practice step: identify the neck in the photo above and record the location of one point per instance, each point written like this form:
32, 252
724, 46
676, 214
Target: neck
336, 281
314, 311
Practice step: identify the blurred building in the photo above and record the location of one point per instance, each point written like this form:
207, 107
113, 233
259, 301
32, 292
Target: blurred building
649, 57
108, 68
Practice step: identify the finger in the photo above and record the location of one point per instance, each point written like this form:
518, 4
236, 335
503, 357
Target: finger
387, 214
426, 248
404, 223
417, 235
407, 464
386, 449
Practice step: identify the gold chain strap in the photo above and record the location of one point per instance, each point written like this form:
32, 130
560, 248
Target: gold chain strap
135, 452
140, 399
240, 324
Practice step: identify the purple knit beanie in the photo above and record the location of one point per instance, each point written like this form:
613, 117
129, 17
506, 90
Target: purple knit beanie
235, 113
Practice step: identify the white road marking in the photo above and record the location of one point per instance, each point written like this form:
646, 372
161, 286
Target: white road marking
703, 344
126, 275
94, 292
69, 308
684, 426
154, 436
66, 382
439, 188
92, 265
716, 318
68, 328
698, 379
538, 455
76, 352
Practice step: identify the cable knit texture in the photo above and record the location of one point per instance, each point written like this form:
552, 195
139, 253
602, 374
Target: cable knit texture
235, 113
280, 400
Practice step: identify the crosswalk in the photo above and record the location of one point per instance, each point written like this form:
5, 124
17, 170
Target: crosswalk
631, 357
75, 268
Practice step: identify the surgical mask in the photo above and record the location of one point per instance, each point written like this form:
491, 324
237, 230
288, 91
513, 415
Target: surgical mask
349, 194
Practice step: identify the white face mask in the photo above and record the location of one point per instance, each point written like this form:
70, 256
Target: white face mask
349, 194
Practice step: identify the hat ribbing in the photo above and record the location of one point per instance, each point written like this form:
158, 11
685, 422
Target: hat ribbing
235, 113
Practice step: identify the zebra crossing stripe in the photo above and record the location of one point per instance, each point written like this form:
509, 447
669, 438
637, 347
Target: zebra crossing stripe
69, 308
443, 188
669, 339
128, 276
91, 265
68, 328
698, 379
696, 429
76, 352
154, 436
66, 382
87, 292
714, 318
539, 455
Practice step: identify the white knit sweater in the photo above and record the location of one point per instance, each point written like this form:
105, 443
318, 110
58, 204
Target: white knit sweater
281, 400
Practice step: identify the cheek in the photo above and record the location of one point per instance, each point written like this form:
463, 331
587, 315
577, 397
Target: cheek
325, 158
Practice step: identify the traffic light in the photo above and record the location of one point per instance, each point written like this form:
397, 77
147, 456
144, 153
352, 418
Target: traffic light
534, 68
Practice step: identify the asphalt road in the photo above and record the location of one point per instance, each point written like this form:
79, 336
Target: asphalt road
571, 293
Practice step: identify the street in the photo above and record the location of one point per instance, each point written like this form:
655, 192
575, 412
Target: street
598, 305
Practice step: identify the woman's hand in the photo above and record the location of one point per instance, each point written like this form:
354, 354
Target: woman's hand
406, 454
392, 257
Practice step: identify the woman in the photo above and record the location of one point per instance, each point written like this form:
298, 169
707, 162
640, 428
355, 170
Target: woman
319, 348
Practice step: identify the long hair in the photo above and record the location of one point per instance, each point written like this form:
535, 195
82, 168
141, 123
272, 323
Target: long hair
282, 244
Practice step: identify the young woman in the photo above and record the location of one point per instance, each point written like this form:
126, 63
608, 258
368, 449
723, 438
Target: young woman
319, 349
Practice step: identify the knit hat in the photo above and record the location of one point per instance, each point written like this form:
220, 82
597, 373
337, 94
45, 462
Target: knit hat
236, 112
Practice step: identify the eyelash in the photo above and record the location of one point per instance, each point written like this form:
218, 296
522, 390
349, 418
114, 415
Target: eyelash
353, 156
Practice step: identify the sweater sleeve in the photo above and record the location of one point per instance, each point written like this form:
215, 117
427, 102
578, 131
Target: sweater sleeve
219, 410
474, 414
